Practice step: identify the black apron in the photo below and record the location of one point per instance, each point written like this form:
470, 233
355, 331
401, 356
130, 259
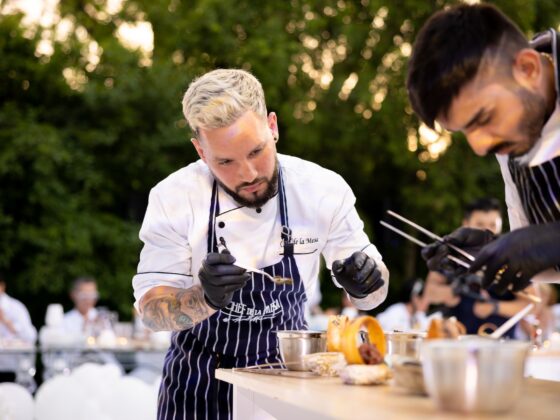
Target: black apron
242, 334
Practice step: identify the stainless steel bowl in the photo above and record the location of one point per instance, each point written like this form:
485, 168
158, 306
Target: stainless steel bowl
296, 344
474, 375
401, 344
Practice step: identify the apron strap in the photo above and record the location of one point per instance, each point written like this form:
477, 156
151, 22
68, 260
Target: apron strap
286, 233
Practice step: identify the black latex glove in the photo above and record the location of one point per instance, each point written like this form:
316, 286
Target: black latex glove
469, 239
522, 253
358, 274
220, 279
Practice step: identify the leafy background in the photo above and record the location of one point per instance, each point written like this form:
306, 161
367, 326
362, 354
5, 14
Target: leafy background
89, 123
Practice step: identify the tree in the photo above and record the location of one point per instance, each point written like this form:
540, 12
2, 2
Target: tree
89, 126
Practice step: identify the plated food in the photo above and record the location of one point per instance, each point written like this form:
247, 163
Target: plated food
351, 335
366, 374
362, 344
325, 364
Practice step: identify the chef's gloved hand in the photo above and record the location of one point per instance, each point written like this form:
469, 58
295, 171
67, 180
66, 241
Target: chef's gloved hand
220, 278
358, 274
469, 239
517, 256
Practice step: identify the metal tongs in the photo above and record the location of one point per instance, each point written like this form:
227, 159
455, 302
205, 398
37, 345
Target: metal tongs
275, 279
453, 258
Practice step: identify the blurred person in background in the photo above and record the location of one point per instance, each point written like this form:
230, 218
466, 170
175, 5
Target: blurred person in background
457, 296
16, 330
15, 322
472, 70
82, 319
409, 313
86, 321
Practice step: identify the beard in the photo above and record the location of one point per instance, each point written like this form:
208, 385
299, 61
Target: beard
256, 200
532, 122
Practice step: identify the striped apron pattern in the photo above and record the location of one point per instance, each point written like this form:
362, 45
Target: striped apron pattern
240, 335
539, 189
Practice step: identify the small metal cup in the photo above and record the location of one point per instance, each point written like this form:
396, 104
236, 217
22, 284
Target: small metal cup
296, 344
402, 345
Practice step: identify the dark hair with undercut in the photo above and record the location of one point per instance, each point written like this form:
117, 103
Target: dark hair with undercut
448, 51
482, 204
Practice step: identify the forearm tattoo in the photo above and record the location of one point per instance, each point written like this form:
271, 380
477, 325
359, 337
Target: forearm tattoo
176, 311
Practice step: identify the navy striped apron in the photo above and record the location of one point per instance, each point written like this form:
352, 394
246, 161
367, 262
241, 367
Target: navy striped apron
539, 189
242, 334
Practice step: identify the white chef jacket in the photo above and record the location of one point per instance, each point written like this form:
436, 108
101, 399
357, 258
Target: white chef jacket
18, 314
397, 318
546, 148
73, 321
321, 215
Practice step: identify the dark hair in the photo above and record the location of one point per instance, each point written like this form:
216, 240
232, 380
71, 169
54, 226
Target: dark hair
82, 280
482, 204
448, 51
409, 287
2, 278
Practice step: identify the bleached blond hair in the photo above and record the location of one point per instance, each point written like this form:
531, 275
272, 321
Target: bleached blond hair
218, 98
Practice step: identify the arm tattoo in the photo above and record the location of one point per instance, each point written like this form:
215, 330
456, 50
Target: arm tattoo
176, 311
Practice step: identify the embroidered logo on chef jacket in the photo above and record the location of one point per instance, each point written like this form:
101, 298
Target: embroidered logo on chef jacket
300, 241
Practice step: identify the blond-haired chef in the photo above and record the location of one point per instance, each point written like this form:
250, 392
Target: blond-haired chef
241, 204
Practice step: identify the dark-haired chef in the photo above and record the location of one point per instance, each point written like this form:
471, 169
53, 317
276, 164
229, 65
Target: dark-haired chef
472, 70
241, 205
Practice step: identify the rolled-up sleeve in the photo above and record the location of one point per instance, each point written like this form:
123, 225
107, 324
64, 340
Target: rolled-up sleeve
347, 236
165, 259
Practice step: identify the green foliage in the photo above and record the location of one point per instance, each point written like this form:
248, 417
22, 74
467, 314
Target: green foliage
77, 160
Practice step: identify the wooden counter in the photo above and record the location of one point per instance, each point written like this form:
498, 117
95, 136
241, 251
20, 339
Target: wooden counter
329, 398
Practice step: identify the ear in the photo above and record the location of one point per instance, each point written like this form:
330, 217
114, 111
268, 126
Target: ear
528, 69
273, 125
199, 149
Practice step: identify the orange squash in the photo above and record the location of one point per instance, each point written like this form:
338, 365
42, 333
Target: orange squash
350, 335
337, 324
445, 328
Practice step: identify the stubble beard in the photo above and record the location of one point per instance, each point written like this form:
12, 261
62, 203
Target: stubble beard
532, 122
257, 200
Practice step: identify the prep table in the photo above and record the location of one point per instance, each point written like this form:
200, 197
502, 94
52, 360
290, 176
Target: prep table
255, 395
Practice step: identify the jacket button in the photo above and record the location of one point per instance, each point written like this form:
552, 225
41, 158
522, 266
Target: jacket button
259, 210
221, 224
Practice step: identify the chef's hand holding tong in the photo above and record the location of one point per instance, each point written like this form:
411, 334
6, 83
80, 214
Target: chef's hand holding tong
220, 278
507, 262
358, 275
515, 257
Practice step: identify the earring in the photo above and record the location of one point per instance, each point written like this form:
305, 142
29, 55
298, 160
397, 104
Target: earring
275, 139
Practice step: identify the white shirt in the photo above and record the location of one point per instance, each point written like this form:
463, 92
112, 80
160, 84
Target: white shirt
18, 315
397, 318
545, 149
73, 322
321, 215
